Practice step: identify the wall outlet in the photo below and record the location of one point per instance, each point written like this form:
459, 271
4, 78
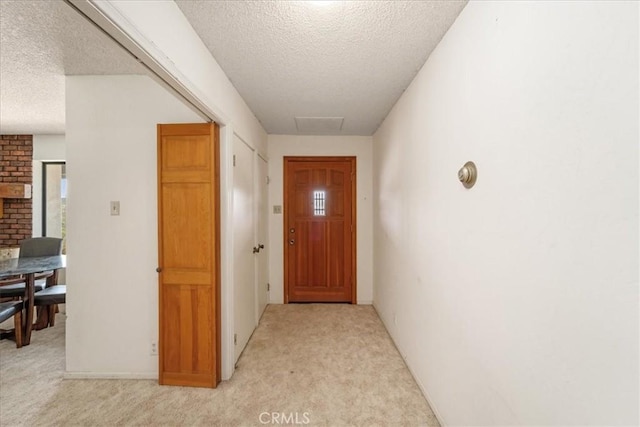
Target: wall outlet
154, 348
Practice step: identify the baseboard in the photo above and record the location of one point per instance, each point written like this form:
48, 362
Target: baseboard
109, 376
413, 374
367, 302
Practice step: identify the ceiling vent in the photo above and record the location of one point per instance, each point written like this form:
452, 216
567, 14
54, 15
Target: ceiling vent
319, 125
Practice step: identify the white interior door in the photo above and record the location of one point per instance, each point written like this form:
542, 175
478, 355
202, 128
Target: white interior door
243, 240
262, 259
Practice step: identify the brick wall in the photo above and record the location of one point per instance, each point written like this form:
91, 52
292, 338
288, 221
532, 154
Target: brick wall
16, 154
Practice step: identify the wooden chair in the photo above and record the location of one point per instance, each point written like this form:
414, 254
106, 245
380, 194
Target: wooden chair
13, 309
14, 288
40, 246
47, 301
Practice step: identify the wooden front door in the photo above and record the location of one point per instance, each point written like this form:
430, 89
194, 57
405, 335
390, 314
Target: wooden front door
319, 210
189, 254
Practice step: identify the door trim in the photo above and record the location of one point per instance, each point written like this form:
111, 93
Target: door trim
354, 199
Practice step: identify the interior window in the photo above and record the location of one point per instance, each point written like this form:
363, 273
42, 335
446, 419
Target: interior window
54, 201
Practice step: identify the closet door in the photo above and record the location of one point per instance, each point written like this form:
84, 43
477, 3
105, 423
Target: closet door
262, 285
244, 280
189, 254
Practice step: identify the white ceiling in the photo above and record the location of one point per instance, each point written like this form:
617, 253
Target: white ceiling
350, 59
329, 60
40, 42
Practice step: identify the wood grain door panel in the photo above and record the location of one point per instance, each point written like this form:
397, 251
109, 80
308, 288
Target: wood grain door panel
320, 229
183, 228
187, 338
189, 254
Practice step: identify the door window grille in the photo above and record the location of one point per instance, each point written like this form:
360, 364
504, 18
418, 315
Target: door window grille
319, 203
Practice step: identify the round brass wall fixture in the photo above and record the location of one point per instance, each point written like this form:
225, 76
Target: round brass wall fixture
468, 174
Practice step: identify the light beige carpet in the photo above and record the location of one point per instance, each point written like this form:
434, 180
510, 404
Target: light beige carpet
312, 364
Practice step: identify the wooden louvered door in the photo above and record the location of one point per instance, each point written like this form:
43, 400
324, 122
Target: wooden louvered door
320, 229
189, 254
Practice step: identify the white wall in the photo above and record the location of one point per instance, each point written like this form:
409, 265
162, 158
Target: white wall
516, 302
112, 301
46, 148
292, 145
49, 148
182, 53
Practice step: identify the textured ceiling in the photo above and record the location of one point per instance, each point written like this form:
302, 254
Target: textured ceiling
40, 42
350, 59
288, 59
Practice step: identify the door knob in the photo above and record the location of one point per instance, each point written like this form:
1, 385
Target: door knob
158, 270
256, 250
260, 246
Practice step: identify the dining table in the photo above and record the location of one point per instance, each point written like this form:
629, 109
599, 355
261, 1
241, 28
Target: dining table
28, 267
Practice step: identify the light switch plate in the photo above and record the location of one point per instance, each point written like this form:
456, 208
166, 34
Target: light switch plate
277, 209
115, 208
